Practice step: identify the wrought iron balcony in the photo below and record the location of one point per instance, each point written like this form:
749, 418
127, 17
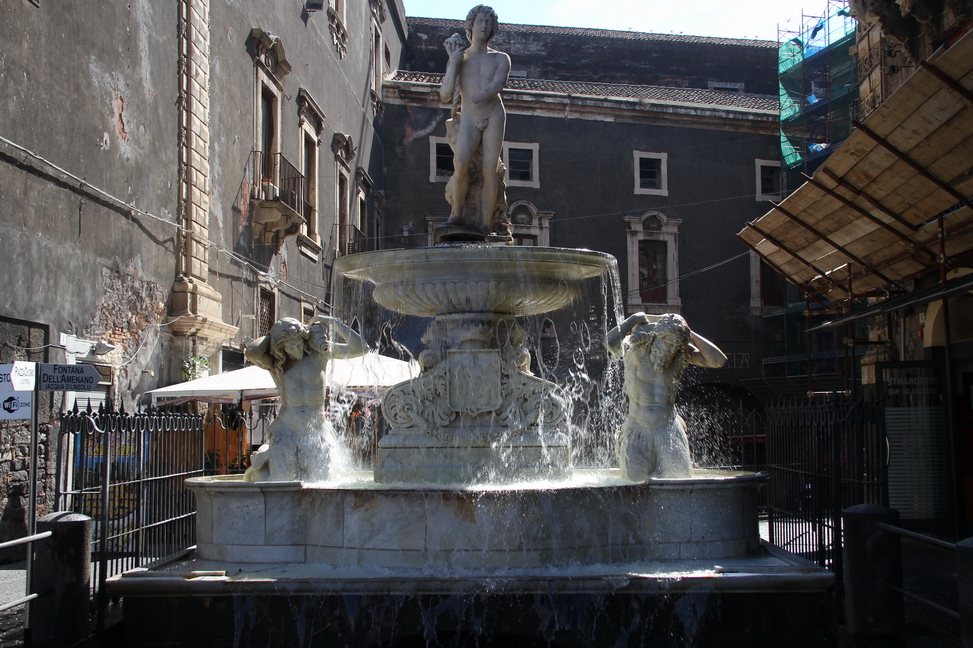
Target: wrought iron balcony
350, 239
277, 197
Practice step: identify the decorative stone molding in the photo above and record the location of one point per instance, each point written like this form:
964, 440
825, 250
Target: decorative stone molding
526, 218
270, 52
338, 33
378, 106
378, 10
309, 111
343, 148
195, 310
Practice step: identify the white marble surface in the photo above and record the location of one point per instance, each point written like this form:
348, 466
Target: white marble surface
498, 528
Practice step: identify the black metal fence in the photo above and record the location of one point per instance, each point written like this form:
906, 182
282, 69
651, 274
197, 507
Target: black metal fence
233, 433
823, 454
127, 472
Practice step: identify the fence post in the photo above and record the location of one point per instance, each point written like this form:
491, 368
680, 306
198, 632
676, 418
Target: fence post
61, 575
964, 577
871, 557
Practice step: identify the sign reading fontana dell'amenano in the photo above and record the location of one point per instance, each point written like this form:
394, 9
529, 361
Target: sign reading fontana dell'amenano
67, 377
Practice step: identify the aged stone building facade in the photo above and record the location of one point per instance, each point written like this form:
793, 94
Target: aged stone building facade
180, 176
174, 179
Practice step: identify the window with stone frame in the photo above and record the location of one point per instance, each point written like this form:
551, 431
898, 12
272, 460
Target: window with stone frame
312, 125
651, 173
440, 159
266, 310
342, 220
529, 225
521, 161
653, 263
768, 180
307, 312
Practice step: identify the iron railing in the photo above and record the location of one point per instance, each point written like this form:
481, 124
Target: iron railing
127, 472
823, 454
275, 178
351, 240
232, 434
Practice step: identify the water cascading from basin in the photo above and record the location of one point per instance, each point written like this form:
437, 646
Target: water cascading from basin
510, 336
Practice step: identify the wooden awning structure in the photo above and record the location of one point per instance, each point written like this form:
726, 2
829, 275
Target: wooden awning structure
891, 199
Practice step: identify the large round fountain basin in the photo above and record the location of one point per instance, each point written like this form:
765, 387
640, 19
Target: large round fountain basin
605, 520
475, 279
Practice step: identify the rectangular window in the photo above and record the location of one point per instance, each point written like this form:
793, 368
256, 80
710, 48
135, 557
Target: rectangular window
266, 311
310, 198
378, 69
444, 160
652, 271
651, 173
268, 135
525, 239
521, 163
520, 158
768, 180
307, 313
343, 224
440, 159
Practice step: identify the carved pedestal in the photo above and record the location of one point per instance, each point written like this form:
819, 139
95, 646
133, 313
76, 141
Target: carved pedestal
475, 414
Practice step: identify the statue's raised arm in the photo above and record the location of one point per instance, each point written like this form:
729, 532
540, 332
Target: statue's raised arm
320, 337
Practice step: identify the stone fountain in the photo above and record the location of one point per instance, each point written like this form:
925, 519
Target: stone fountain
473, 527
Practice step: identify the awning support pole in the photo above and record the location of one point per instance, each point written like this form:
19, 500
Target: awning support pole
956, 474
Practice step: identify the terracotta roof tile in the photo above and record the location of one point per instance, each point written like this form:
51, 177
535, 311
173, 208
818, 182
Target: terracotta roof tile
600, 33
650, 93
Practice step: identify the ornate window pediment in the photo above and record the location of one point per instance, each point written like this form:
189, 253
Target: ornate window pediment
309, 111
270, 52
378, 10
343, 148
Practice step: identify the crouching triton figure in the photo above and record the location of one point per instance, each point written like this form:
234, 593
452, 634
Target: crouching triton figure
301, 440
655, 349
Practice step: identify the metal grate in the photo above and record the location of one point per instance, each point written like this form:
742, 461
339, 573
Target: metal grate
823, 455
127, 472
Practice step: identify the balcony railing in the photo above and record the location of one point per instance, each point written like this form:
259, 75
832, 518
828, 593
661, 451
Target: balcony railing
278, 194
277, 179
351, 240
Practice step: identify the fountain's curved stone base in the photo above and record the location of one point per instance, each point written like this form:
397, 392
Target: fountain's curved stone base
597, 518
598, 561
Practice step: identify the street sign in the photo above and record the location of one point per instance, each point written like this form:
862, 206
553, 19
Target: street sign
17, 376
15, 405
68, 377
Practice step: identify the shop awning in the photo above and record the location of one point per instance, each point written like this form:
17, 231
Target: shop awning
867, 219
367, 374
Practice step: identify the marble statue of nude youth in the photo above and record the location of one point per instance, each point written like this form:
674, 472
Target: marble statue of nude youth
656, 350
301, 439
475, 75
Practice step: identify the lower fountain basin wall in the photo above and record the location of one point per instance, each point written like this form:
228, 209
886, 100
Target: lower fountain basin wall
274, 522
492, 616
